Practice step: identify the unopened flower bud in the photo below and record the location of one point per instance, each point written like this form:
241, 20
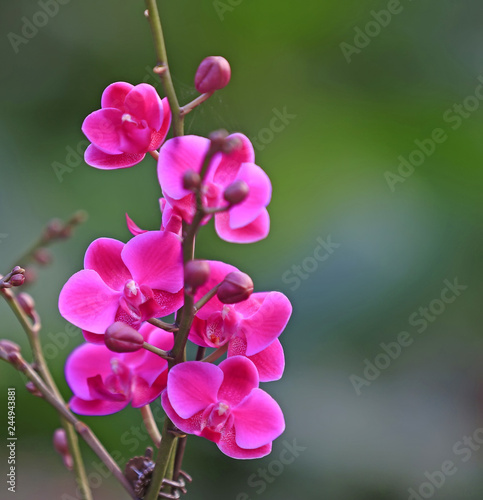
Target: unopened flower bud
196, 273
213, 73
17, 279
218, 140
61, 446
191, 180
236, 287
9, 347
53, 229
120, 337
30, 386
42, 256
26, 302
236, 192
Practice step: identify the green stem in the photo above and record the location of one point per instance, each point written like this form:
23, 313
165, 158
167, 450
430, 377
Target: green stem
216, 354
74, 424
164, 73
32, 331
169, 327
155, 350
150, 424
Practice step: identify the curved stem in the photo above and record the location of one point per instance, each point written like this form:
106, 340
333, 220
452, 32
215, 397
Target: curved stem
163, 71
216, 354
32, 331
150, 424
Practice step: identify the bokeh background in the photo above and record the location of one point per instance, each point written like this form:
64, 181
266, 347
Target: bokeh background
349, 119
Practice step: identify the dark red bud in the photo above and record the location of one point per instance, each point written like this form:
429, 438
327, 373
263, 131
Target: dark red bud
213, 73
196, 273
26, 302
191, 180
236, 287
42, 256
120, 337
17, 279
61, 446
30, 386
236, 192
9, 347
53, 229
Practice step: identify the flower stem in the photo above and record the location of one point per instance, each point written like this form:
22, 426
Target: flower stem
32, 331
20, 364
163, 71
195, 102
216, 354
163, 325
155, 350
150, 425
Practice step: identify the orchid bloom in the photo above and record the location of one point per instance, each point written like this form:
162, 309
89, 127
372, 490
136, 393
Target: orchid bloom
224, 404
105, 382
245, 222
251, 327
130, 282
133, 120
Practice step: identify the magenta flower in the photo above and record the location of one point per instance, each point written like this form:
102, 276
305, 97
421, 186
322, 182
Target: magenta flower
224, 404
243, 223
251, 328
130, 282
133, 120
104, 382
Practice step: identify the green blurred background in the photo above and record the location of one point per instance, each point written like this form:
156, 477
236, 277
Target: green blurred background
392, 248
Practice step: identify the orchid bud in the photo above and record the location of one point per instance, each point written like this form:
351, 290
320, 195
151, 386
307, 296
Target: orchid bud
42, 256
236, 287
236, 192
191, 180
9, 347
53, 229
120, 337
18, 276
213, 73
30, 275
196, 273
61, 446
30, 386
26, 302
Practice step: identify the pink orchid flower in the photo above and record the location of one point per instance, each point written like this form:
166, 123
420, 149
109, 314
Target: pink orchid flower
130, 282
224, 404
133, 120
243, 223
251, 328
105, 382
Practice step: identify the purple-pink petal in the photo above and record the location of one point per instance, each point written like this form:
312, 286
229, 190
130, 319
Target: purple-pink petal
192, 386
115, 95
258, 197
270, 362
190, 425
176, 156
134, 229
104, 256
134, 139
263, 327
230, 164
218, 271
228, 445
96, 407
155, 260
144, 103
240, 377
103, 128
159, 136
255, 231
85, 362
258, 420
96, 158
87, 302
